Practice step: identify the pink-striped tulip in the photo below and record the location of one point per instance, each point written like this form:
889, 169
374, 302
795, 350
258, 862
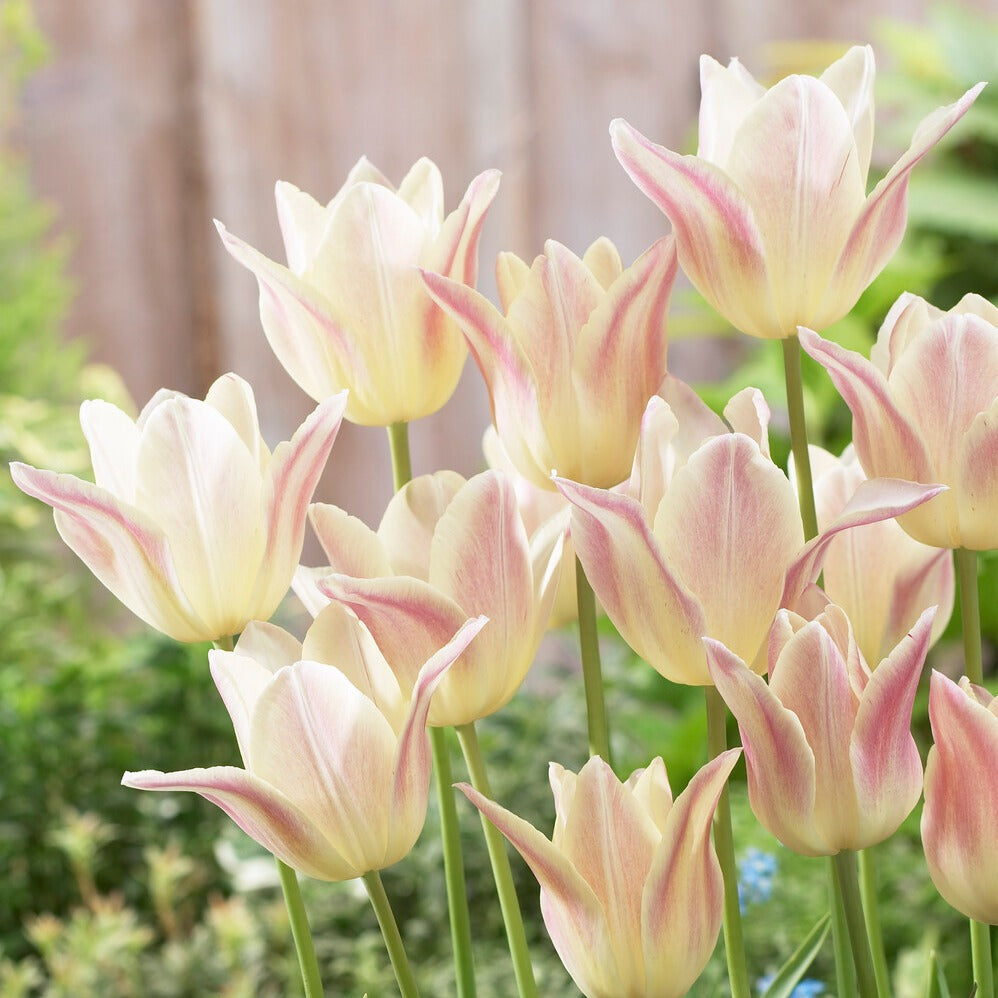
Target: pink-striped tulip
771, 217
193, 524
959, 830
446, 549
828, 748
337, 759
572, 363
349, 310
925, 408
882, 578
710, 541
631, 889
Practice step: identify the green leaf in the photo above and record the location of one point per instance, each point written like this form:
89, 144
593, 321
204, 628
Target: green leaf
795, 968
937, 986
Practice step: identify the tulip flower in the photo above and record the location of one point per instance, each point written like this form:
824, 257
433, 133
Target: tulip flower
349, 310
828, 749
709, 540
571, 364
446, 549
882, 578
192, 523
337, 759
537, 506
959, 832
771, 217
631, 888
925, 408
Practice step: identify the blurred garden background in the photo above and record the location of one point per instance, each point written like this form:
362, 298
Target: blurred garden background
124, 129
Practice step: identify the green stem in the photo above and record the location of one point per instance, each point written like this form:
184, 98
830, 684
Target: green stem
300, 932
970, 611
845, 974
592, 675
734, 942
390, 930
871, 911
398, 442
980, 949
844, 863
457, 895
501, 871
450, 828
798, 435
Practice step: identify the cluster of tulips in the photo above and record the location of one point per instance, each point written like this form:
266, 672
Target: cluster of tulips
611, 480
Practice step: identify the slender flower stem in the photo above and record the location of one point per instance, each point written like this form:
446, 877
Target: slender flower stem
300, 932
798, 435
734, 942
970, 611
450, 828
871, 910
501, 871
844, 863
845, 973
592, 675
390, 930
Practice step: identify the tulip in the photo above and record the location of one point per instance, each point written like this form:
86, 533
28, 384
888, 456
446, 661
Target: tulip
337, 759
881, 577
771, 217
828, 749
631, 888
961, 797
446, 549
192, 523
925, 408
709, 540
349, 310
571, 364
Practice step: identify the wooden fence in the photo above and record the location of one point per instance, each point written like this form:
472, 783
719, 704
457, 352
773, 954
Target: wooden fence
154, 116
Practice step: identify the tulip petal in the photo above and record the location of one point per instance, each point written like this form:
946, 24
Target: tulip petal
261, 811
719, 244
881, 223
683, 898
961, 801
240, 680
305, 585
887, 769
572, 913
724, 506
748, 413
234, 399
603, 259
727, 94
302, 220
291, 479
422, 189
851, 79
655, 614
122, 546
351, 546
268, 645
113, 439
978, 477
780, 764
308, 342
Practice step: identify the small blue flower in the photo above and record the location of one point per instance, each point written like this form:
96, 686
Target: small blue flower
756, 873
807, 988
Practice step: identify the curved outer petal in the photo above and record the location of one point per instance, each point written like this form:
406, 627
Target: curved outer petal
794, 159
113, 439
305, 585
683, 897
887, 769
320, 356
961, 800
507, 372
779, 761
723, 507
198, 482
881, 223
620, 362
122, 546
291, 479
351, 546
409, 620
719, 244
572, 913
264, 813
874, 500
655, 614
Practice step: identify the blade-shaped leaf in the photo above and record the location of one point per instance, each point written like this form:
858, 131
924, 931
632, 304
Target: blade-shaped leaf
795, 968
